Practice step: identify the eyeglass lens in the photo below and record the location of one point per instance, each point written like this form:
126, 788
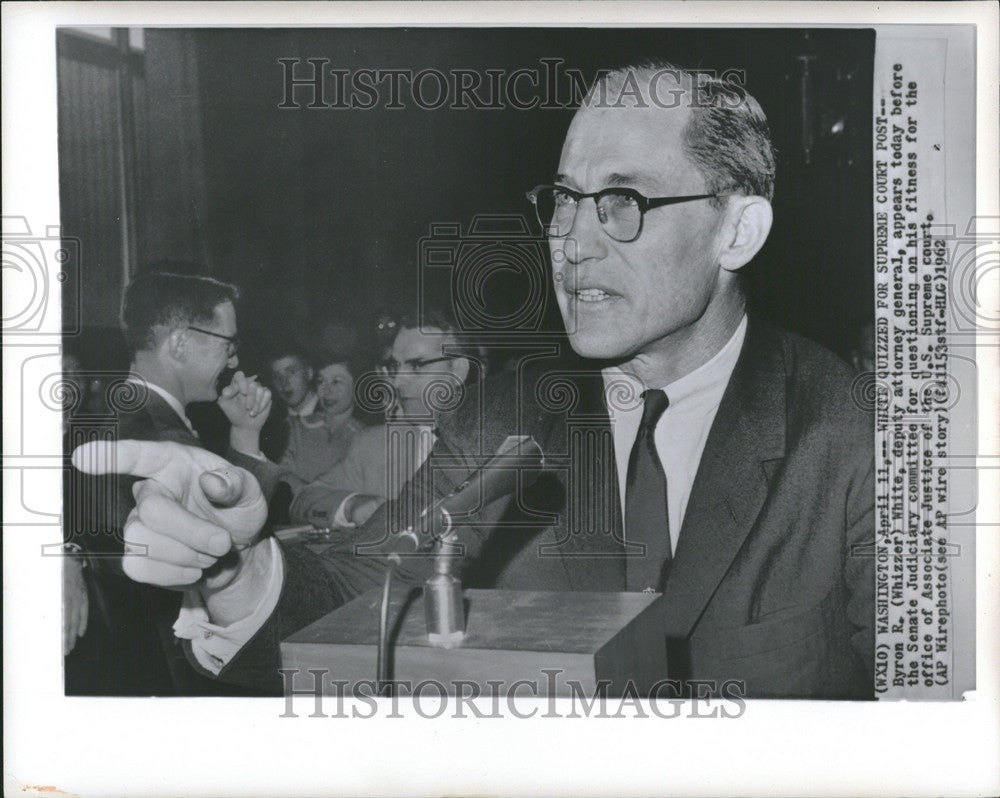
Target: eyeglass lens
618, 213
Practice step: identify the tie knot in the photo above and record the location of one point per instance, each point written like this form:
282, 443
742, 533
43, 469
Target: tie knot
654, 403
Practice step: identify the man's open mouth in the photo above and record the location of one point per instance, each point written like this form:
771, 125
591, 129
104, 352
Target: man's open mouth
591, 295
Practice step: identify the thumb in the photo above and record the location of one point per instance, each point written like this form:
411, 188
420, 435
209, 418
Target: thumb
223, 486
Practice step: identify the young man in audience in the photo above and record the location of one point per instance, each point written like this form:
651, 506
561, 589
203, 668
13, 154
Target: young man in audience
292, 380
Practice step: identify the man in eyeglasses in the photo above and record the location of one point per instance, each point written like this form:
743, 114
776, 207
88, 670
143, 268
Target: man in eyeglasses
181, 332
738, 479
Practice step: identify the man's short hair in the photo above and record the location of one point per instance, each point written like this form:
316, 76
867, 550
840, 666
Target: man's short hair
167, 300
438, 318
433, 317
727, 136
288, 349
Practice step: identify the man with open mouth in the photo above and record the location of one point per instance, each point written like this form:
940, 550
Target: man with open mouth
737, 477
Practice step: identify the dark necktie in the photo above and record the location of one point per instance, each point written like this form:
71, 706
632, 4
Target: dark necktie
646, 519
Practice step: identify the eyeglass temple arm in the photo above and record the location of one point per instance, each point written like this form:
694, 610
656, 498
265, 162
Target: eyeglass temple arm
660, 202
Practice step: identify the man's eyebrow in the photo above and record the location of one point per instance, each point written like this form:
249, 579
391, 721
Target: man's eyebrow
619, 179
614, 179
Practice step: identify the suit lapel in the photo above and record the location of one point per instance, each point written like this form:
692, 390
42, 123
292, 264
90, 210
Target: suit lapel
731, 483
168, 425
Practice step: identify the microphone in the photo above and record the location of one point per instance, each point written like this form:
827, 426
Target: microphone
518, 458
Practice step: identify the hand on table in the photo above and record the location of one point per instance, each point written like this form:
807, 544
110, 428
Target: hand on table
361, 507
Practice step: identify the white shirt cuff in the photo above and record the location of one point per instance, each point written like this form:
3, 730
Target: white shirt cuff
214, 646
340, 517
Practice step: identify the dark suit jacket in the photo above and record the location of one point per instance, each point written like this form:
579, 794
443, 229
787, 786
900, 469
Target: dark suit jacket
772, 582
132, 649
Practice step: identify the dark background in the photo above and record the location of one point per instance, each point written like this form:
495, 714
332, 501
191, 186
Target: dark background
173, 148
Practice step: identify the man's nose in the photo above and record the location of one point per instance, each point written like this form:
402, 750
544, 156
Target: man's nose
234, 360
586, 238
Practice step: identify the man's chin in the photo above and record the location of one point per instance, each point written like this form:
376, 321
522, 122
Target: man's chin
210, 394
597, 345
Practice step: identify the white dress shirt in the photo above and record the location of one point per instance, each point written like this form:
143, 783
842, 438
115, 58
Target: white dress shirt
683, 428
213, 645
680, 439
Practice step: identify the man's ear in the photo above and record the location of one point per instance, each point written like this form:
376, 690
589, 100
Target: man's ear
460, 368
748, 221
176, 344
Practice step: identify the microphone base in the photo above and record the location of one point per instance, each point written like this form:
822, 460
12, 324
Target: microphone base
448, 640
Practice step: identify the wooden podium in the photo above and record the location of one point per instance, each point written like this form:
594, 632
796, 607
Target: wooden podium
585, 638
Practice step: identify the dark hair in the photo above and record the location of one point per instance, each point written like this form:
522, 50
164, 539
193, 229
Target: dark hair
349, 358
424, 317
727, 135
439, 318
164, 299
288, 349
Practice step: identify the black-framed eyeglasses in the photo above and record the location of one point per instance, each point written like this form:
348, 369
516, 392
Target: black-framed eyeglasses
620, 210
392, 367
232, 342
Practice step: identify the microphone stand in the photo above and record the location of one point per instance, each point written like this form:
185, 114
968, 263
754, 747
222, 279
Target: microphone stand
444, 607
382, 684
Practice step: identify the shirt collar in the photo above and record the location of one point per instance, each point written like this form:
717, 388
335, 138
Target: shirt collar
705, 384
307, 408
711, 377
167, 397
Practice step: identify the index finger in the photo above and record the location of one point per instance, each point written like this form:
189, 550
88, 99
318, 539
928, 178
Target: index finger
136, 458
